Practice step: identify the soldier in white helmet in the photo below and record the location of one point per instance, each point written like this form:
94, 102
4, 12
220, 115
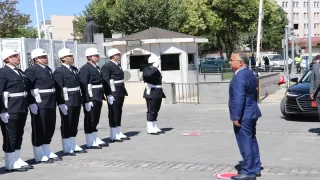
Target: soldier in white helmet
92, 95
153, 93
14, 110
42, 106
69, 101
114, 89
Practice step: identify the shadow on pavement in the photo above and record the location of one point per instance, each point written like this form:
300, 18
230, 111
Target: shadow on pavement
298, 118
315, 130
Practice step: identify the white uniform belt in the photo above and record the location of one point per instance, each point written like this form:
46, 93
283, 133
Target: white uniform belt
97, 86
47, 90
74, 89
119, 81
18, 94
156, 86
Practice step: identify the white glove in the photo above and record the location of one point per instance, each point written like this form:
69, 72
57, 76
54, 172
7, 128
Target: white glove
156, 64
110, 99
64, 109
4, 117
33, 108
88, 106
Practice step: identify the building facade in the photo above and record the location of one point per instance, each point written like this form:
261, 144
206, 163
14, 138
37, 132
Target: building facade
300, 21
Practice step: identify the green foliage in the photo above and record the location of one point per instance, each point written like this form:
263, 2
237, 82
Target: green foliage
11, 20
228, 24
28, 32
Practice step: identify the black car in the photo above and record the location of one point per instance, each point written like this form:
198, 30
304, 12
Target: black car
297, 99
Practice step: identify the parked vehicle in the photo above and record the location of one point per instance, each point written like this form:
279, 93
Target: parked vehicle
276, 62
297, 99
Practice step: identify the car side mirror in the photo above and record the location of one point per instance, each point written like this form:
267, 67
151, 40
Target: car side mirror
294, 80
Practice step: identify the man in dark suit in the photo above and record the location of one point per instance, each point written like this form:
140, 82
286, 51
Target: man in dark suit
114, 89
315, 82
244, 113
69, 101
13, 109
42, 105
92, 95
153, 93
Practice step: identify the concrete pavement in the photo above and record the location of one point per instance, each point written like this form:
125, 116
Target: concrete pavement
288, 148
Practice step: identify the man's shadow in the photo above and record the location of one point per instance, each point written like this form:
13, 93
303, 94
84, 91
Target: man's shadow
238, 166
315, 130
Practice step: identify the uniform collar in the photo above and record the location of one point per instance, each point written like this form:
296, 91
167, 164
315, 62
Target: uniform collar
66, 65
12, 67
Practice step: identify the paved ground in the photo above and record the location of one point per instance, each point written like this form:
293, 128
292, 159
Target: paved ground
289, 149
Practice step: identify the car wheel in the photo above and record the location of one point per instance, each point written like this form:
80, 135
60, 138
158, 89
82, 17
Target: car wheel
283, 110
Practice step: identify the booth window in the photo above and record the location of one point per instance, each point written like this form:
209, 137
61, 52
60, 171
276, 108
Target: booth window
190, 58
139, 62
170, 62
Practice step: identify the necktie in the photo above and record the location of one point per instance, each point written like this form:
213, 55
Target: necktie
71, 69
50, 71
17, 71
119, 65
98, 68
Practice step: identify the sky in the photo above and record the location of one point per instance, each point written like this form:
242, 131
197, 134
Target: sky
51, 7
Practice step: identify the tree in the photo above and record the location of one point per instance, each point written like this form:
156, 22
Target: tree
28, 32
274, 21
11, 20
235, 18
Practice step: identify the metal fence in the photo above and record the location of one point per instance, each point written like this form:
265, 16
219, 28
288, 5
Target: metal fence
225, 74
186, 93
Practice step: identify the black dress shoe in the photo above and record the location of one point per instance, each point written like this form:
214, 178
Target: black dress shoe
27, 167
104, 145
243, 177
153, 133
82, 151
56, 159
95, 147
125, 138
70, 154
49, 161
17, 170
161, 132
258, 174
116, 140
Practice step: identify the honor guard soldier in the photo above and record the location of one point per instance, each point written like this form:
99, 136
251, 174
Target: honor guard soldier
115, 91
42, 106
69, 101
92, 94
153, 93
14, 110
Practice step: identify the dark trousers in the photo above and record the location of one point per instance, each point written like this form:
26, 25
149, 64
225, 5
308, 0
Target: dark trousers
12, 132
70, 122
153, 107
289, 68
43, 126
115, 112
318, 102
248, 146
92, 118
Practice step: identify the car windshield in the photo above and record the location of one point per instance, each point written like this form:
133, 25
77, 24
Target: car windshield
275, 57
306, 78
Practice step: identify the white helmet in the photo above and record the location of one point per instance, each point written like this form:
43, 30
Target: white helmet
153, 59
64, 52
113, 51
7, 53
38, 52
91, 52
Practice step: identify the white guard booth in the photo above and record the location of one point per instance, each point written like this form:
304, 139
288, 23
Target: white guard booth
178, 53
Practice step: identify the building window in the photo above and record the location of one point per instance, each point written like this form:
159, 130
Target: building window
305, 4
316, 25
190, 58
139, 62
305, 25
296, 15
305, 35
286, 4
170, 62
297, 4
295, 26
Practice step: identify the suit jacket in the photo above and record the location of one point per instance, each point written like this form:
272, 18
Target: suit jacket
153, 76
112, 71
65, 78
243, 96
90, 74
11, 82
315, 79
41, 78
